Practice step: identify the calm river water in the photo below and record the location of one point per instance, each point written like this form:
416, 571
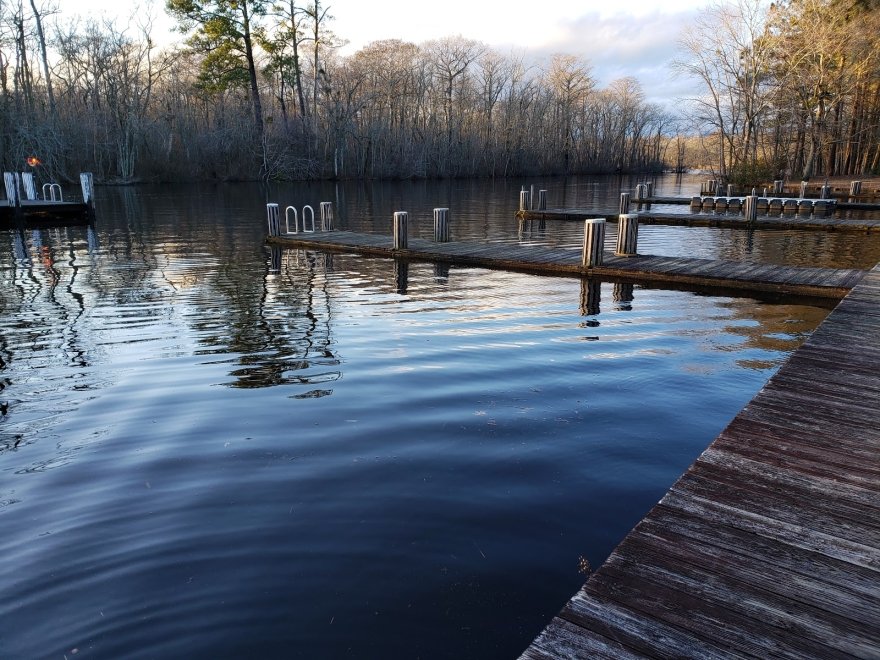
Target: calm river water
207, 450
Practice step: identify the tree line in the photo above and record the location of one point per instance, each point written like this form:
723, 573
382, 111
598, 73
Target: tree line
258, 88
790, 88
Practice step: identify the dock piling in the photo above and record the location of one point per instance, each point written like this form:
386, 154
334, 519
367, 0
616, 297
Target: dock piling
327, 216
624, 202
273, 215
87, 183
441, 225
803, 191
399, 240
730, 189
524, 200
594, 242
30, 189
778, 185
627, 235
542, 200
855, 188
750, 208
825, 192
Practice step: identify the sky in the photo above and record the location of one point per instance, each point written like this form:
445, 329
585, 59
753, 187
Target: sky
624, 38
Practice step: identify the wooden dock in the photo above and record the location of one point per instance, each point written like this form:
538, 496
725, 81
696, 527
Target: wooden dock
649, 217
815, 282
38, 212
769, 545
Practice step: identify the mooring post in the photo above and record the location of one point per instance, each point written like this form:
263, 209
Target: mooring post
441, 225
30, 190
825, 192
532, 197
542, 200
273, 215
855, 188
87, 183
591, 297
777, 186
10, 179
327, 216
524, 200
730, 190
627, 235
400, 230
803, 191
624, 203
649, 189
594, 242
750, 208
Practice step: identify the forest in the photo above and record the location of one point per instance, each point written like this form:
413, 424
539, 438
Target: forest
259, 90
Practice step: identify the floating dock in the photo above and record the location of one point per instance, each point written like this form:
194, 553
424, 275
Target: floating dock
769, 545
23, 205
815, 282
648, 217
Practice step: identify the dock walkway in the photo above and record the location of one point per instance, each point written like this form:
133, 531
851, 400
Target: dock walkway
769, 545
818, 282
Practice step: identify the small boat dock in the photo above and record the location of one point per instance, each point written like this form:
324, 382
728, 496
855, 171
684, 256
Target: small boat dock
24, 205
815, 282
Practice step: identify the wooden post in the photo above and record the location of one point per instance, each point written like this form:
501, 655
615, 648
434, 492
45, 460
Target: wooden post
627, 235
30, 190
594, 242
649, 189
441, 225
825, 192
855, 188
750, 208
803, 191
624, 202
401, 220
327, 216
273, 216
532, 197
13, 196
524, 200
777, 186
87, 183
401, 276
591, 294
730, 190
542, 200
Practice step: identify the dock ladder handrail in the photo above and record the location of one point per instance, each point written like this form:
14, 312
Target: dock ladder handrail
53, 189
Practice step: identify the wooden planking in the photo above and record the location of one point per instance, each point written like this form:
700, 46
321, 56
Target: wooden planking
821, 282
649, 217
769, 545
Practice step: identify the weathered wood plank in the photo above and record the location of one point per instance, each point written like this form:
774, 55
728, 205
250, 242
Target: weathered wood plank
679, 270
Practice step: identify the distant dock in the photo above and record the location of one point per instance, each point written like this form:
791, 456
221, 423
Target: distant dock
815, 282
24, 206
724, 220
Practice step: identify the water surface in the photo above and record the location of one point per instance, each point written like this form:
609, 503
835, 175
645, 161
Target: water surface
210, 450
